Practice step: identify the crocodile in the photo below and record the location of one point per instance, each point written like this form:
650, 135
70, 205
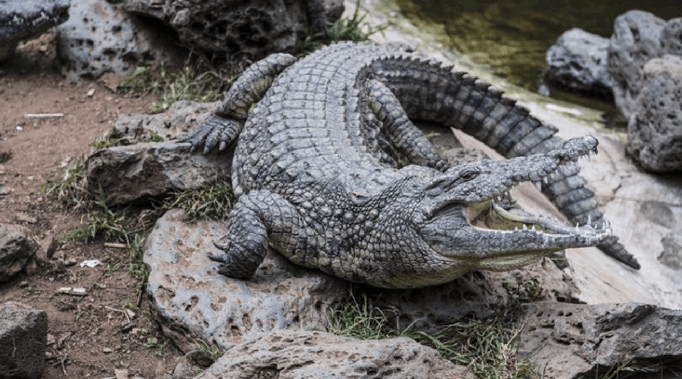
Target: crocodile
316, 177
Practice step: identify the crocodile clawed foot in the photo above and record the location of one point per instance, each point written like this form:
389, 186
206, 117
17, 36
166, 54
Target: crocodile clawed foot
217, 258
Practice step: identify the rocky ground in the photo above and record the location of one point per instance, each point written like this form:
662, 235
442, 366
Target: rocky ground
109, 328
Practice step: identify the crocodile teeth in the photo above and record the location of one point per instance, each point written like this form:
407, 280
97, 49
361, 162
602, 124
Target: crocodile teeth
538, 185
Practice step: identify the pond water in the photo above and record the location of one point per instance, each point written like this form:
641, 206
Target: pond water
512, 36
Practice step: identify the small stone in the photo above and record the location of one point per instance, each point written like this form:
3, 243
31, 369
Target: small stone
107, 350
121, 374
127, 326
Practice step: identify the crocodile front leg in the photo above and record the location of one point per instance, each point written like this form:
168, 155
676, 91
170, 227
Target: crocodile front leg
258, 219
227, 121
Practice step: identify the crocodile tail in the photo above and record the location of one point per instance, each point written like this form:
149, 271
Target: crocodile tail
464, 102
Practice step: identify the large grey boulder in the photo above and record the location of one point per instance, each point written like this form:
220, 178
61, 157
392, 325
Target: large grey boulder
100, 37
151, 170
20, 20
655, 130
195, 302
253, 28
23, 338
577, 61
579, 340
290, 354
16, 249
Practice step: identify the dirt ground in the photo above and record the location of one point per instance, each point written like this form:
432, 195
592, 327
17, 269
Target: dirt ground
92, 335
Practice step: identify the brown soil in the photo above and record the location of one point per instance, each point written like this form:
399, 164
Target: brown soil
86, 336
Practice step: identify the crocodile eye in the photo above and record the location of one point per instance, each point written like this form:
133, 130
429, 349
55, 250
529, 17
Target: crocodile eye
469, 174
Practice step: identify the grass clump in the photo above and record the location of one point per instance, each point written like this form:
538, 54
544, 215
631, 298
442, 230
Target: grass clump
185, 84
488, 347
102, 221
72, 185
208, 201
137, 268
104, 142
352, 28
213, 352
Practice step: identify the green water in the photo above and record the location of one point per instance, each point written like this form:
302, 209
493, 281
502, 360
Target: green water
512, 36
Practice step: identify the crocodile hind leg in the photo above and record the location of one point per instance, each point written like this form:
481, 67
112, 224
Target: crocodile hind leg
402, 133
258, 219
226, 122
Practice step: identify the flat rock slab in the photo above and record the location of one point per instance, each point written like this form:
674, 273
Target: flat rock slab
20, 20
195, 302
16, 248
181, 117
148, 170
579, 340
23, 339
287, 354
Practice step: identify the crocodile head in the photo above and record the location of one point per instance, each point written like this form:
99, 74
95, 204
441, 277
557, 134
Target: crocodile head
458, 218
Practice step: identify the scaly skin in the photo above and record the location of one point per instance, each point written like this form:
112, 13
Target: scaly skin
315, 176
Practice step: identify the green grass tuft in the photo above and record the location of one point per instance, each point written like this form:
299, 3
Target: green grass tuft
344, 29
102, 221
488, 347
72, 185
213, 352
208, 201
185, 84
103, 142
137, 268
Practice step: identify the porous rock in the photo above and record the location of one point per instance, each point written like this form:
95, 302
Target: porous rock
577, 61
291, 354
175, 122
195, 302
23, 337
254, 28
638, 37
150, 170
21, 20
99, 38
671, 37
655, 130
579, 340
16, 249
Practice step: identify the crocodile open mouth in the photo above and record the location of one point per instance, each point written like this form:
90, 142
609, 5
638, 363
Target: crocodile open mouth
492, 215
